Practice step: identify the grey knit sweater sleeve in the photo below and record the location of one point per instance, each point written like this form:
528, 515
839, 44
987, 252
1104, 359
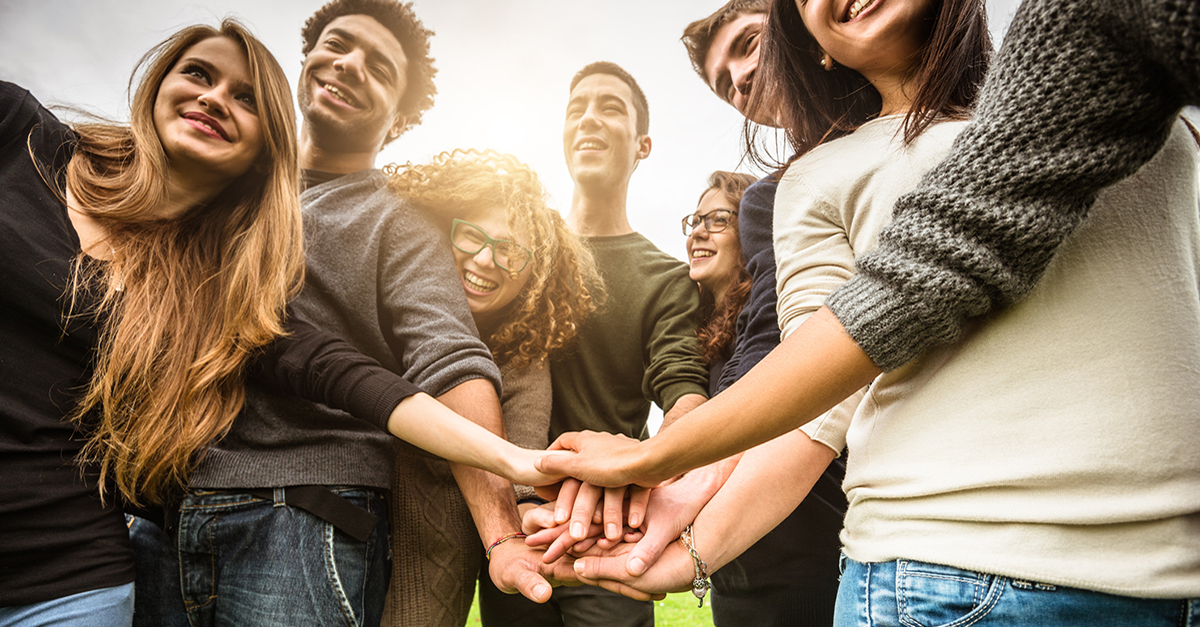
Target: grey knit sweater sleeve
1082, 93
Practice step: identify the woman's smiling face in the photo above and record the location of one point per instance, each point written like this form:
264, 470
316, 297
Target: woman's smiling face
206, 114
871, 37
489, 288
713, 257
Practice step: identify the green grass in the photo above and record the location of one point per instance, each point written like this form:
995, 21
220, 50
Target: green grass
677, 610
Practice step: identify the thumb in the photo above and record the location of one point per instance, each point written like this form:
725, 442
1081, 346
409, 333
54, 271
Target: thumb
533, 587
649, 549
555, 463
568, 441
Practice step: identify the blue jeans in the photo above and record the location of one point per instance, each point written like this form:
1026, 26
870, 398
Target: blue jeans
106, 607
242, 560
905, 593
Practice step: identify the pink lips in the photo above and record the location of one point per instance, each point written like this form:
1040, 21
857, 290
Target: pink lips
206, 125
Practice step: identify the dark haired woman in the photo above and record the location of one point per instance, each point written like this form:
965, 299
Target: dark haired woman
1000, 479
715, 263
789, 576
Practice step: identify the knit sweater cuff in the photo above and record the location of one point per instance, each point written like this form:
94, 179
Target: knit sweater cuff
888, 327
379, 397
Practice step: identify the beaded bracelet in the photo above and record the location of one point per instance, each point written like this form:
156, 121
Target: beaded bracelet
700, 584
503, 538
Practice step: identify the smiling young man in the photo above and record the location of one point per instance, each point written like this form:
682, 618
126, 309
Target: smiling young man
640, 347
300, 491
790, 576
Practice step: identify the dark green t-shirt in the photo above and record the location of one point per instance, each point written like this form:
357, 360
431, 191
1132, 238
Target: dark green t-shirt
639, 347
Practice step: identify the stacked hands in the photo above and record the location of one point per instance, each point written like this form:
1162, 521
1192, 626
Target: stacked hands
615, 526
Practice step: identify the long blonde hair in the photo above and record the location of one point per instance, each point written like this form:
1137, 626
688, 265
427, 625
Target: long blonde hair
186, 302
564, 286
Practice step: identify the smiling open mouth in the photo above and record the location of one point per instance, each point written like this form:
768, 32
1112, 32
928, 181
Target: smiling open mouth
337, 93
702, 253
857, 8
479, 283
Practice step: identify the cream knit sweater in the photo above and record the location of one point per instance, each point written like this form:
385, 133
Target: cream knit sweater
1056, 440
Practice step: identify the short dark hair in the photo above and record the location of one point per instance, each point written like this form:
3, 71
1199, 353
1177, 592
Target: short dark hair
698, 36
398, 18
640, 106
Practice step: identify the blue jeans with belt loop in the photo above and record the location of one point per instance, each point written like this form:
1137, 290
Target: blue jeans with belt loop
907, 593
237, 559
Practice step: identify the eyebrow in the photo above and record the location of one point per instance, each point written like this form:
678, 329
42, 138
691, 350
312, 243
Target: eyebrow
603, 98
373, 54
239, 85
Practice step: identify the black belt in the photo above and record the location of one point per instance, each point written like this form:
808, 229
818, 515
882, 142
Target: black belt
321, 502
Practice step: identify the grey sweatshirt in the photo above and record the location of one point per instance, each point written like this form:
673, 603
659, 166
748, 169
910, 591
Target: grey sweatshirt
381, 277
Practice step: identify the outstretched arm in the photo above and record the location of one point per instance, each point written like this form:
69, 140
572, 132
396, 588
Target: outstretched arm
812, 370
321, 367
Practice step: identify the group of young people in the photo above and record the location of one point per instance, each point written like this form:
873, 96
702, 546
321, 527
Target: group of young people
939, 368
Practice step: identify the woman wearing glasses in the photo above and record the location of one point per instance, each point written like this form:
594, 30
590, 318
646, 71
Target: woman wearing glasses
715, 263
528, 280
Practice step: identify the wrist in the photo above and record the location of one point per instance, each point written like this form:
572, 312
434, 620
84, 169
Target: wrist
513, 535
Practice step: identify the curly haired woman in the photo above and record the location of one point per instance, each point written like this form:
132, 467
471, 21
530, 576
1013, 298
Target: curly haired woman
529, 283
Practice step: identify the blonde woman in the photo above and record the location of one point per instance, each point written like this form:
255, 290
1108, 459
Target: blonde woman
528, 281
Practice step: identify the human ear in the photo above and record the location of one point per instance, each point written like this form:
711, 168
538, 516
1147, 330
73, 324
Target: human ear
643, 147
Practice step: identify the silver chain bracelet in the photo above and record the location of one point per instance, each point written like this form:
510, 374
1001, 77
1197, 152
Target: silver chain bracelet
700, 584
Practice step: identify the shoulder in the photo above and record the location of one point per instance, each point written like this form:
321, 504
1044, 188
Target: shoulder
22, 117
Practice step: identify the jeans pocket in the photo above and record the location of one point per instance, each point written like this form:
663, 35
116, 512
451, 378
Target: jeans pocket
932, 595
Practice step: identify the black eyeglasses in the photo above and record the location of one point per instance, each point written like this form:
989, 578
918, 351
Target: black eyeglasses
714, 221
507, 254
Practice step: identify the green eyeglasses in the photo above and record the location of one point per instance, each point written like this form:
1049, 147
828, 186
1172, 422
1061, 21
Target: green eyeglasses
507, 254
714, 221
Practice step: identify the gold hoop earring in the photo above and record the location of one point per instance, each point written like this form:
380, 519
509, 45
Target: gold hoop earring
513, 274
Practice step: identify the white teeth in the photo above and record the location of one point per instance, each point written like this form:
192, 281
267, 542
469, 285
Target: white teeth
337, 93
858, 7
590, 146
702, 253
479, 282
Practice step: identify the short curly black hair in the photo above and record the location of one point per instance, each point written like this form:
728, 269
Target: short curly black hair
399, 18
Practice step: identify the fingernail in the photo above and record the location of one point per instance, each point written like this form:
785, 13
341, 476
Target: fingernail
636, 565
611, 531
577, 530
541, 591
560, 516
578, 567
635, 520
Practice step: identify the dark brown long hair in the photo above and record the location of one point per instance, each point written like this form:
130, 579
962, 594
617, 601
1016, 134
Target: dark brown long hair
815, 105
718, 319
187, 301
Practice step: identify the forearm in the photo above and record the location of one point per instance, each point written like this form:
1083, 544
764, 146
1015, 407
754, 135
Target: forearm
428, 424
815, 368
489, 497
774, 477
685, 404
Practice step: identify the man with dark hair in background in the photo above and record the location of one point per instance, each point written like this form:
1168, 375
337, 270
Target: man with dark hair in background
790, 576
639, 347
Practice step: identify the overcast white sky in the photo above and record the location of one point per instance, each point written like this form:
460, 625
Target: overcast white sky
504, 69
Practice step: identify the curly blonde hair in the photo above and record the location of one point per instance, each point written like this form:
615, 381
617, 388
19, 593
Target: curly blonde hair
564, 285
